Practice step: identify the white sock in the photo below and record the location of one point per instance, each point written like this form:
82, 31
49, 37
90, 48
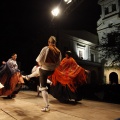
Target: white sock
45, 97
1, 85
48, 81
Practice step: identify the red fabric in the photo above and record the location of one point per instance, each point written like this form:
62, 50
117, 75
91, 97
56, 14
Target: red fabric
14, 80
69, 73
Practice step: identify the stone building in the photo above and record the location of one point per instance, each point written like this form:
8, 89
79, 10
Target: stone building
109, 19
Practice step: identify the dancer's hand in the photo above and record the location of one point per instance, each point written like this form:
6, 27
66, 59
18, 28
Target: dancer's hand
3, 62
87, 71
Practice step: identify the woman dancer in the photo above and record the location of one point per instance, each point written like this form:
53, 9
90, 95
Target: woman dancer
10, 77
67, 80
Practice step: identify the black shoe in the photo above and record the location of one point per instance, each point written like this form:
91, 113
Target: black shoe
8, 97
11, 96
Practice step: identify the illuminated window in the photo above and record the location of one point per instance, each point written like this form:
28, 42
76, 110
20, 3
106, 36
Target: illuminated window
80, 54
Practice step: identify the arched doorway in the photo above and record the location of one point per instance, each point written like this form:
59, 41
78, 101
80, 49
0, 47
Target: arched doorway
113, 78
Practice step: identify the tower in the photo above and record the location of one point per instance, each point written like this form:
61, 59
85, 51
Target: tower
109, 19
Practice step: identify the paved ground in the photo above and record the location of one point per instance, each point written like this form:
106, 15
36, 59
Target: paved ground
26, 106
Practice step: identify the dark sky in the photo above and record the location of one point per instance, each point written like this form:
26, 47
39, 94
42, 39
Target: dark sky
26, 25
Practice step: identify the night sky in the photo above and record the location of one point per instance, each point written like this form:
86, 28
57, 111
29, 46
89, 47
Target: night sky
27, 24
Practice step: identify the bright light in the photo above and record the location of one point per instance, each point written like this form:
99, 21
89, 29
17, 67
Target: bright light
68, 1
55, 11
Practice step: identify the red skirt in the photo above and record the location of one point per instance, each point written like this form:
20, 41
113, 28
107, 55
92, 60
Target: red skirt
10, 83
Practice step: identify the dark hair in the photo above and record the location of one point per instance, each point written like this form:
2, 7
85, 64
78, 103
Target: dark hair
13, 54
69, 53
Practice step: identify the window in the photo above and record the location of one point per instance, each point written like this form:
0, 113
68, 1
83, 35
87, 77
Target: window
92, 57
106, 11
80, 54
113, 7
109, 8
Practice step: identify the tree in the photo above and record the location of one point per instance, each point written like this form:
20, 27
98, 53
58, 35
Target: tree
109, 46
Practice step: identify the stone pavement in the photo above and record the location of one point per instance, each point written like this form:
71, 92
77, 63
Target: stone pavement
26, 106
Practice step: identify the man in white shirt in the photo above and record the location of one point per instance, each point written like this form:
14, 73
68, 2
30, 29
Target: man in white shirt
49, 58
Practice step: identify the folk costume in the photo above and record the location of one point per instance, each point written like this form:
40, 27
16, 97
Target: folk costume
11, 78
49, 58
67, 80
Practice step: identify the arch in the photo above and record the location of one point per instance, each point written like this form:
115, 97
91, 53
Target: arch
113, 78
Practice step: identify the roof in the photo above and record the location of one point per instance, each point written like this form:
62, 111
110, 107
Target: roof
82, 34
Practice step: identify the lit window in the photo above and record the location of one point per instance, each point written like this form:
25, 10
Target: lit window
80, 54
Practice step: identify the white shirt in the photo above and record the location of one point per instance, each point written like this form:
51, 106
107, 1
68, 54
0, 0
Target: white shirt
42, 57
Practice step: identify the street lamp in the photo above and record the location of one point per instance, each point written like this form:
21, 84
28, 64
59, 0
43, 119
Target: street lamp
68, 1
55, 11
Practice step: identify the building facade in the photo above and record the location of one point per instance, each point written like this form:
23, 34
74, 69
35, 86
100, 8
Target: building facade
109, 19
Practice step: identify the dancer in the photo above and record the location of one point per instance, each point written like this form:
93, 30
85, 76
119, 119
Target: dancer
10, 77
49, 58
68, 79
35, 73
